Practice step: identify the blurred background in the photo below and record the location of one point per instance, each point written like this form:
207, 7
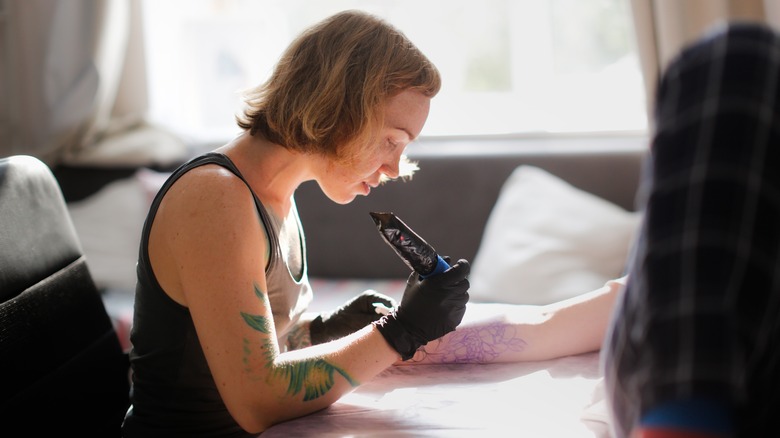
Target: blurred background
112, 94
140, 82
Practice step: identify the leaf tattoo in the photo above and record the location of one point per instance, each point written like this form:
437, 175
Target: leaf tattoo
314, 376
258, 322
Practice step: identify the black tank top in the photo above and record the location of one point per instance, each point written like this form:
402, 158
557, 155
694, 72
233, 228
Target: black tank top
173, 392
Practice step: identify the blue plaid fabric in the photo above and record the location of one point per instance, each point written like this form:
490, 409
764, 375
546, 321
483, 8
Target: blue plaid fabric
700, 314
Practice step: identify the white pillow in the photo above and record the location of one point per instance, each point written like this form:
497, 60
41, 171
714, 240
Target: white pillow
546, 240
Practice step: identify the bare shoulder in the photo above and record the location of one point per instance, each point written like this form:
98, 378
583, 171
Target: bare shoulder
206, 230
207, 207
207, 186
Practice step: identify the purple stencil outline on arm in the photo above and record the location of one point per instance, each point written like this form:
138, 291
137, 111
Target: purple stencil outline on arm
478, 344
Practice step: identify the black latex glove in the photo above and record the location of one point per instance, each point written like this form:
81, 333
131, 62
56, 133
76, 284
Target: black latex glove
430, 308
349, 318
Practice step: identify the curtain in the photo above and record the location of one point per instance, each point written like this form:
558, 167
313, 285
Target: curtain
73, 84
664, 27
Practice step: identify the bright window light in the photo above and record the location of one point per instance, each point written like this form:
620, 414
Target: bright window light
508, 66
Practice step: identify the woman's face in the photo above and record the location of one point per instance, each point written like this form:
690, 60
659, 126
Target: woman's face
405, 115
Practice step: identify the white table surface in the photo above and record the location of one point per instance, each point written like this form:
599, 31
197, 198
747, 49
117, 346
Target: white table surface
560, 398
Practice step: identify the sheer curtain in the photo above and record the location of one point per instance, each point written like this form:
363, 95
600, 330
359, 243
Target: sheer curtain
663, 27
73, 80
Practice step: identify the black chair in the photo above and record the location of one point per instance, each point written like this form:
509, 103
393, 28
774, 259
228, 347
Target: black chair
62, 366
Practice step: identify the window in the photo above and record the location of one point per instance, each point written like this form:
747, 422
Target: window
508, 66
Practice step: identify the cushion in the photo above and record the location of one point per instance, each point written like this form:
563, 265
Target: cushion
546, 240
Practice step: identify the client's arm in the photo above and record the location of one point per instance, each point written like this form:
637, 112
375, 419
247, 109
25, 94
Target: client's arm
512, 333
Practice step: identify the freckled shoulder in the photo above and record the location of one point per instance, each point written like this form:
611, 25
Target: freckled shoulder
208, 207
207, 186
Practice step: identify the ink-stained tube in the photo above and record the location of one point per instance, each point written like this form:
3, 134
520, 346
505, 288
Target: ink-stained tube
418, 254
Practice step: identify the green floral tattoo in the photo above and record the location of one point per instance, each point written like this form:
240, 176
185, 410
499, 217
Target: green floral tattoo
314, 376
258, 322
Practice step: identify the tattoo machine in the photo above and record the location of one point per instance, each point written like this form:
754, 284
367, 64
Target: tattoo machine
418, 254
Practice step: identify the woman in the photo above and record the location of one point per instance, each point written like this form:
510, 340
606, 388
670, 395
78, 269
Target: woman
221, 345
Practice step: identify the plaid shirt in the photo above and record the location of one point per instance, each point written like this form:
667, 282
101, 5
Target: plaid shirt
700, 314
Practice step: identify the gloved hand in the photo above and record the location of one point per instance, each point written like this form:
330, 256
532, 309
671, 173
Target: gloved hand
349, 318
430, 308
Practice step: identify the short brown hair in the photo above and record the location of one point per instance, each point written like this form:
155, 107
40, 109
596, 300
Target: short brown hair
328, 87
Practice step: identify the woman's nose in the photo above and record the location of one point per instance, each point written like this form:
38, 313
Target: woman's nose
391, 169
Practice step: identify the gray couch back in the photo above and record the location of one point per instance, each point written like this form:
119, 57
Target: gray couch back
447, 202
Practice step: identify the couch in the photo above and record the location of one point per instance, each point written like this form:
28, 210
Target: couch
450, 200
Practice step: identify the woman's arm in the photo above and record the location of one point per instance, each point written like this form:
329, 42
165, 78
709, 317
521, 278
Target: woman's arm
511, 333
